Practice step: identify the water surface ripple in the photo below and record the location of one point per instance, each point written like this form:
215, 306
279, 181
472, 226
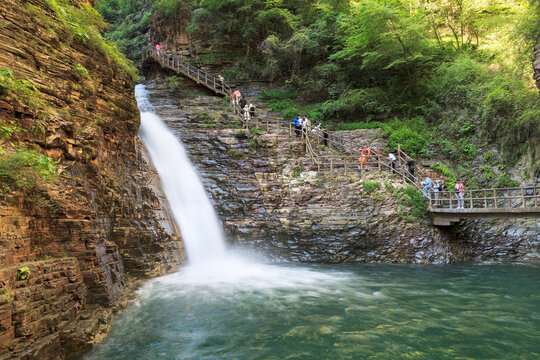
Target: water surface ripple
251, 311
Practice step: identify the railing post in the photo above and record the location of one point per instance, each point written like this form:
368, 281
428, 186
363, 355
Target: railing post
495, 197
331, 164
398, 154
345, 165
522, 197
470, 199
485, 199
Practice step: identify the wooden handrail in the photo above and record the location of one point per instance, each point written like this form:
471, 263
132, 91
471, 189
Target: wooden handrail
180, 65
497, 198
526, 196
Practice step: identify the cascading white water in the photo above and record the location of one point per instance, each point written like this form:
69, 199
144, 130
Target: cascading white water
202, 235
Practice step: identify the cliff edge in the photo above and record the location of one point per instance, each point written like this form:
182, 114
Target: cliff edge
80, 213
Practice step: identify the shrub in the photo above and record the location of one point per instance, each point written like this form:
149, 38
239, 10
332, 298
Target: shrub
81, 70
357, 102
409, 140
172, 82
236, 154
7, 129
241, 134
256, 130
448, 173
204, 116
504, 181
86, 25
24, 170
24, 90
371, 186
416, 201
23, 273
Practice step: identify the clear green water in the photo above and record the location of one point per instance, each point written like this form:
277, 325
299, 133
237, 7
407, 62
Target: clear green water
333, 312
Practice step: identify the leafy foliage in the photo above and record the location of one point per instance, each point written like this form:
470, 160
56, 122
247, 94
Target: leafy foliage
82, 71
416, 201
86, 25
25, 170
371, 186
23, 90
449, 73
23, 273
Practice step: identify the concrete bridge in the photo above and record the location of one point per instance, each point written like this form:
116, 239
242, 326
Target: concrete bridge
516, 202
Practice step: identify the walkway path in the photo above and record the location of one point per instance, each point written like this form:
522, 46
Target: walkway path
521, 201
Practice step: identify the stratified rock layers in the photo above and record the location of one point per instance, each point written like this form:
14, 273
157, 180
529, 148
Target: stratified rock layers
102, 222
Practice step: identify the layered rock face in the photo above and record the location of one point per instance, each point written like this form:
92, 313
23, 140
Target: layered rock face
101, 223
271, 200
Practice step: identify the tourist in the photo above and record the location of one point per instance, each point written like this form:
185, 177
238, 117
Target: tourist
436, 189
297, 126
246, 114
233, 101
307, 124
303, 125
243, 103
237, 97
459, 194
158, 49
251, 110
325, 137
426, 190
411, 167
392, 158
221, 82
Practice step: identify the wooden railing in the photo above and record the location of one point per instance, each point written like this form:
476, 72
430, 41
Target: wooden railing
501, 198
180, 65
497, 198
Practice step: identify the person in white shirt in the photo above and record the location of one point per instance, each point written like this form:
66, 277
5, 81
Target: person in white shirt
392, 159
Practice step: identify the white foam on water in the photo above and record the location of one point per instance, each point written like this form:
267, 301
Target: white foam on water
211, 265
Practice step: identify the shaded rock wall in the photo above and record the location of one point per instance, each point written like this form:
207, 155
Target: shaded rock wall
271, 200
104, 211
498, 240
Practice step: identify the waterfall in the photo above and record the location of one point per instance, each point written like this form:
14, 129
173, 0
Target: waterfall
201, 232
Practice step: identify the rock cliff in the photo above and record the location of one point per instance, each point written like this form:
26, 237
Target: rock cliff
272, 201
100, 224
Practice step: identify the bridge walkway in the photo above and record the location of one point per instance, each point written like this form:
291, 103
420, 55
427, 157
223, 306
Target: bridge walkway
523, 201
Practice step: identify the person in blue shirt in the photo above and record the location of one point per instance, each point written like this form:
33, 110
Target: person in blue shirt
426, 190
297, 126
